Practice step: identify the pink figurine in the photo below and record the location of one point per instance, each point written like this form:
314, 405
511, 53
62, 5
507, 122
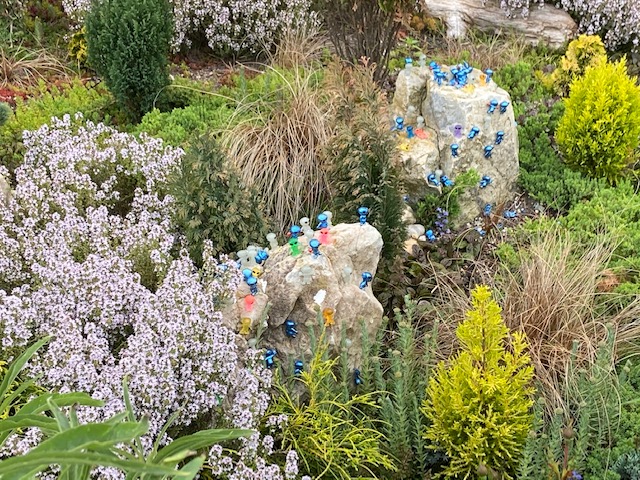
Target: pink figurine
325, 239
249, 300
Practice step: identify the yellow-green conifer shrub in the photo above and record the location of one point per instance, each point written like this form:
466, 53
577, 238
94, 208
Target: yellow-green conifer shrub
583, 52
601, 124
479, 407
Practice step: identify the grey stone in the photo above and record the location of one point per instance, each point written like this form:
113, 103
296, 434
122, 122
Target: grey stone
548, 24
450, 113
354, 249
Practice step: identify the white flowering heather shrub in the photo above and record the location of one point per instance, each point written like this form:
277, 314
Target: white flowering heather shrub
616, 21
227, 25
87, 223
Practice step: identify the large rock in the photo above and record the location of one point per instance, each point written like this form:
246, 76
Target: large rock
292, 288
548, 24
450, 113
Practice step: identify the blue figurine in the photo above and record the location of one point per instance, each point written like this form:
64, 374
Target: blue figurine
487, 210
454, 150
430, 235
399, 126
472, 134
408, 63
314, 243
269, 357
357, 380
295, 231
489, 73
481, 231
431, 178
366, 279
253, 285
261, 257
363, 212
492, 106
499, 137
446, 181
454, 76
510, 214
290, 328
488, 150
433, 65
503, 106
485, 181
323, 221
298, 367
440, 76
247, 273
410, 133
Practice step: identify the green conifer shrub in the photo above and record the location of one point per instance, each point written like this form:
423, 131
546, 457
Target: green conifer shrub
600, 128
479, 407
128, 45
213, 204
583, 52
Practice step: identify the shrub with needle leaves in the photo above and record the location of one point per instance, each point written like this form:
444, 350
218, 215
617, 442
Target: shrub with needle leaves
479, 405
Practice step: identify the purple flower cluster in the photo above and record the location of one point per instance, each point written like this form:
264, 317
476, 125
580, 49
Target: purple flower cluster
68, 269
442, 221
616, 21
228, 24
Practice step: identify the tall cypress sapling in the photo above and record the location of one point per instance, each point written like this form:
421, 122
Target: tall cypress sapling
479, 406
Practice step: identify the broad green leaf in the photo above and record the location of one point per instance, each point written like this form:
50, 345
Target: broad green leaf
27, 421
14, 468
93, 436
39, 404
199, 440
18, 364
63, 421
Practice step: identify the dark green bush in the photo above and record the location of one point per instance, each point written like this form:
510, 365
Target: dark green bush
363, 173
520, 81
543, 174
128, 45
213, 204
613, 213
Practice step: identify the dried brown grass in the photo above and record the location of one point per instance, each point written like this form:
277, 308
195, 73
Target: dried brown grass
553, 295
278, 149
298, 48
486, 51
23, 67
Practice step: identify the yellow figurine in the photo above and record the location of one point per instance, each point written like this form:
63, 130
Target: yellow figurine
327, 314
483, 79
256, 271
245, 326
404, 146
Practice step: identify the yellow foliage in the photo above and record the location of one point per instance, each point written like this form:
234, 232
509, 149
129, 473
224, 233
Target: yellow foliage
601, 124
479, 406
585, 51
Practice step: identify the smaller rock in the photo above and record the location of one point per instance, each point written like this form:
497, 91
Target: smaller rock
416, 230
